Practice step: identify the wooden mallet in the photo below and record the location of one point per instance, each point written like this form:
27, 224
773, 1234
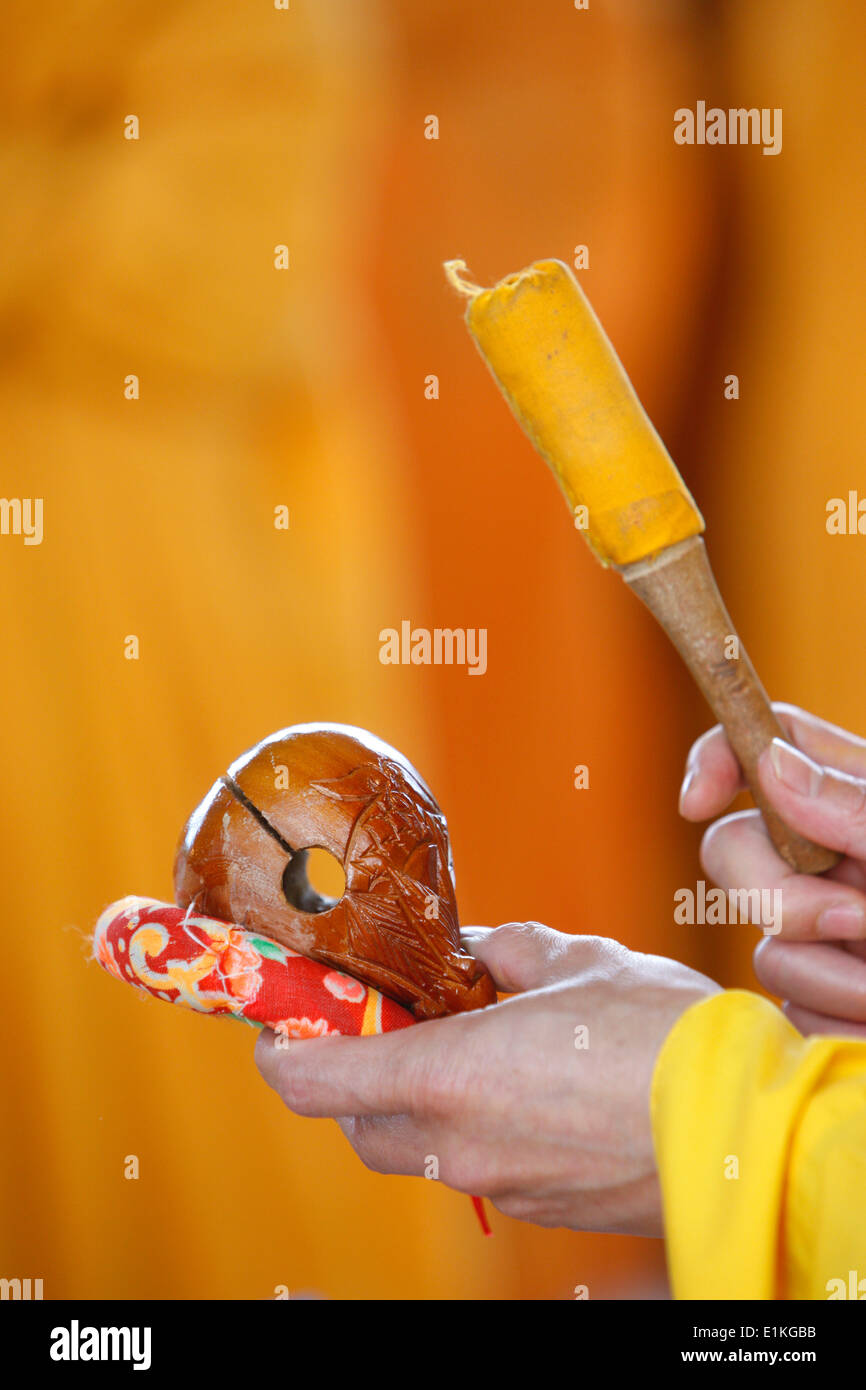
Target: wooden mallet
539, 336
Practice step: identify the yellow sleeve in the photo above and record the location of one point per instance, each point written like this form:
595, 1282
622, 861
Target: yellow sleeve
760, 1137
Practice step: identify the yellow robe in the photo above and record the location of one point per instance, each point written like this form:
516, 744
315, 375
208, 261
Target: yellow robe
761, 1142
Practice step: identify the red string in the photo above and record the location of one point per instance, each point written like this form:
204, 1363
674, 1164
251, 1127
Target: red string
478, 1204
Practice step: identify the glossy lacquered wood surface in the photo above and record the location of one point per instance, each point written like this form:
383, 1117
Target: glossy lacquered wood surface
241, 858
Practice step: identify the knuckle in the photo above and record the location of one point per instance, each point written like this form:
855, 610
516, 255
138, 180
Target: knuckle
840, 804
435, 1076
467, 1170
513, 952
460, 1174
512, 933
856, 827
515, 1205
294, 1093
365, 1142
427, 1088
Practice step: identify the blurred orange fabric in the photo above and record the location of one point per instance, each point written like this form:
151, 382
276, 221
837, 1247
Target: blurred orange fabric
305, 388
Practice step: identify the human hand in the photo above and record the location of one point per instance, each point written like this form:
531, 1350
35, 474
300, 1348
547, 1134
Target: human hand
539, 1102
817, 962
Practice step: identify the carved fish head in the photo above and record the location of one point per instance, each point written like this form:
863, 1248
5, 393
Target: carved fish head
243, 857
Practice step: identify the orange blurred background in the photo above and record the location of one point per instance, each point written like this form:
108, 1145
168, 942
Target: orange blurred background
305, 388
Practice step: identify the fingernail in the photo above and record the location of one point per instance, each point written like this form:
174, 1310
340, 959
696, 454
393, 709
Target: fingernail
474, 933
843, 922
688, 785
797, 772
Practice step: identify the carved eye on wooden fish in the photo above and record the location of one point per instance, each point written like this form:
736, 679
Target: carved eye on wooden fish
243, 857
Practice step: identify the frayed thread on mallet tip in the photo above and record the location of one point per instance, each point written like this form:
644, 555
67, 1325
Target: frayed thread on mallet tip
457, 275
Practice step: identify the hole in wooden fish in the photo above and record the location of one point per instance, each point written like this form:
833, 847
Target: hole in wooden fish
313, 880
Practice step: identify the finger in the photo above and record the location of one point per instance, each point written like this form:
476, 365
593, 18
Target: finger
823, 804
392, 1143
825, 743
390, 1074
470, 936
810, 1023
430, 1149
810, 975
738, 855
714, 777
527, 955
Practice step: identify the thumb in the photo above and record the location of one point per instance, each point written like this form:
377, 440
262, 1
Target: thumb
825, 805
525, 955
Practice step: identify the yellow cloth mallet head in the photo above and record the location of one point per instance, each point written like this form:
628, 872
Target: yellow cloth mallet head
557, 369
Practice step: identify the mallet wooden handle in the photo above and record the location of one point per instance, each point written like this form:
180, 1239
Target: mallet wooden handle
679, 588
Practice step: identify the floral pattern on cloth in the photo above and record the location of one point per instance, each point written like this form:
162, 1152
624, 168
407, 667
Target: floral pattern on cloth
217, 968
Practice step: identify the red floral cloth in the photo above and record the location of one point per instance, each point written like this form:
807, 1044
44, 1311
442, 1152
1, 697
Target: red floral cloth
217, 968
